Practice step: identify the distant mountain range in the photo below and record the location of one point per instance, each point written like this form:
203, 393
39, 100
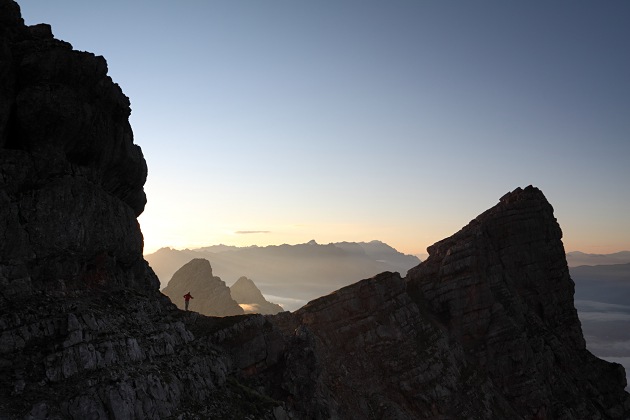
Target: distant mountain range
290, 274
577, 258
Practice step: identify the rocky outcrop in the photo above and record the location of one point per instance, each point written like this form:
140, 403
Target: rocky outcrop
71, 179
84, 332
501, 288
485, 328
210, 294
374, 354
249, 297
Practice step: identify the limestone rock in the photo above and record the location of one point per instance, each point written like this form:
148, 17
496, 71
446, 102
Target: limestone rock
249, 297
502, 290
71, 179
210, 294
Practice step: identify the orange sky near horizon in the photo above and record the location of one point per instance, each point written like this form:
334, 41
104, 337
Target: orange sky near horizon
169, 229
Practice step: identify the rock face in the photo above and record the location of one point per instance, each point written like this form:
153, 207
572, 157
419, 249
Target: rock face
502, 290
71, 179
485, 328
84, 332
210, 294
245, 292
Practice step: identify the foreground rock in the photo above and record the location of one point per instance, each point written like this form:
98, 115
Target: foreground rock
210, 294
485, 328
84, 332
249, 297
502, 290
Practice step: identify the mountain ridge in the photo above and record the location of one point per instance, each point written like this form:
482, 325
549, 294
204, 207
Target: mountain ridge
578, 258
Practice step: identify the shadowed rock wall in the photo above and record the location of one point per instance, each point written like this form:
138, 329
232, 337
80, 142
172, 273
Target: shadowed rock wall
71, 179
501, 288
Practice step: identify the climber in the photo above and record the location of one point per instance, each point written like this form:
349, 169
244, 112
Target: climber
187, 298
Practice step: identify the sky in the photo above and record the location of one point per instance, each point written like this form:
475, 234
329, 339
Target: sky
266, 122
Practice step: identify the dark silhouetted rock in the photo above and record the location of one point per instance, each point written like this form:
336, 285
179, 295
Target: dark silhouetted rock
71, 179
84, 331
210, 294
501, 288
245, 292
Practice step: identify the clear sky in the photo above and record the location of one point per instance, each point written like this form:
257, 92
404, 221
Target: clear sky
281, 121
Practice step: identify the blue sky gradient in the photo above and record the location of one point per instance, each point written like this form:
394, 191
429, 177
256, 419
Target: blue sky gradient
358, 120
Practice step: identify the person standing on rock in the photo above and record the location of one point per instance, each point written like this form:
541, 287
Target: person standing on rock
187, 298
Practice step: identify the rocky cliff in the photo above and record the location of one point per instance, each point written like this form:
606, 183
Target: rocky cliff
210, 294
71, 179
502, 290
485, 328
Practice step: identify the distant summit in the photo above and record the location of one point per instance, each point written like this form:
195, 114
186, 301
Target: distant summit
210, 294
245, 292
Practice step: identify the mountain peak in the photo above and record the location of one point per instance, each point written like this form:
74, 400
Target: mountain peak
245, 292
197, 267
501, 279
210, 294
